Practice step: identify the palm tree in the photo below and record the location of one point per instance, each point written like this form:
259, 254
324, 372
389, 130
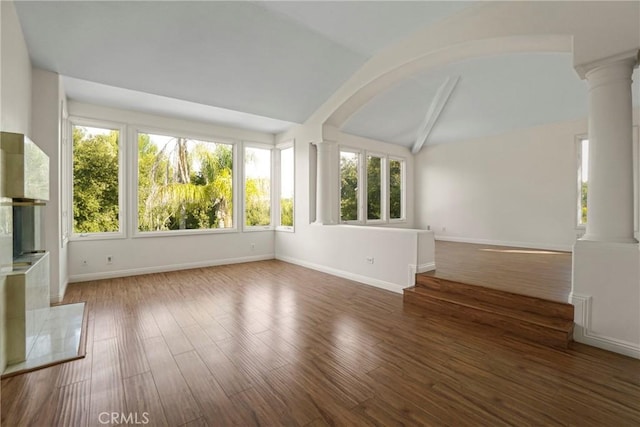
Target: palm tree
188, 186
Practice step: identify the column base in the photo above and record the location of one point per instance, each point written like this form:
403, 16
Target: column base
605, 239
606, 295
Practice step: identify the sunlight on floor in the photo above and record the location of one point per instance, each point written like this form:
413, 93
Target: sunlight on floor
524, 251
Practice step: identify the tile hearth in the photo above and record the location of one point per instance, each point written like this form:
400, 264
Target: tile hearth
57, 340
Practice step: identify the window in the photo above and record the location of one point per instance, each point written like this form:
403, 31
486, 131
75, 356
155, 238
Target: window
374, 188
583, 180
184, 184
349, 179
257, 187
287, 179
384, 178
97, 195
396, 180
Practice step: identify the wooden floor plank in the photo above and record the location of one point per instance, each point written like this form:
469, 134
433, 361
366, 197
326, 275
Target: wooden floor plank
107, 392
215, 404
270, 343
538, 273
72, 404
177, 401
143, 401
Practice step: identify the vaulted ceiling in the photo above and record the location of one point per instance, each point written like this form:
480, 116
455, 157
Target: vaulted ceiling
267, 65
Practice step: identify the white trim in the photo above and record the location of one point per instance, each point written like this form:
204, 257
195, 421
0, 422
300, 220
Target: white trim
417, 269
583, 69
186, 232
57, 299
393, 287
384, 180
271, 149
403, 189
528, 245
582, 330
289, 144
123, 135
579, 172
165, 268
361, 211
133, 182
436, 107
423, 268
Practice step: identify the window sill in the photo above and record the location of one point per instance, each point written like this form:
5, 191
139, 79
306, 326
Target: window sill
254, 229
171, 233
285, 229
96, 236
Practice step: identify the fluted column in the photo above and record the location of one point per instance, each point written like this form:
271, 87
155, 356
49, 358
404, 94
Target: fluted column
610, 191
324, 182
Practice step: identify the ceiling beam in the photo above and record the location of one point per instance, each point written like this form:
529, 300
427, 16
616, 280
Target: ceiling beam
437, 105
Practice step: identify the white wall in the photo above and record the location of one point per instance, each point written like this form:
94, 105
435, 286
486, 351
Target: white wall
47, 105
383, 257
515, 189
15, 69
15, 116
606, 295
343, 250
138, 255
352, 141
518, 188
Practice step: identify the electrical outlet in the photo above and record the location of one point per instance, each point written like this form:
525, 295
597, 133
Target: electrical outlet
253, 246
444, 229
109, 259
369, 260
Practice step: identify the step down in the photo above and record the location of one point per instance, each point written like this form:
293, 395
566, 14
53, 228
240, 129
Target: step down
546, 322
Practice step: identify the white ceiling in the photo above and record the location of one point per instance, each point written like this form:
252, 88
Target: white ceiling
277, 60
266, 65
494, 95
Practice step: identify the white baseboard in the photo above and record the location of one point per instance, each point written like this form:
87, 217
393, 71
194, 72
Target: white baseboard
423, 268
164, 268
57, 299
530, 245
393, 287
420, 268
582, 331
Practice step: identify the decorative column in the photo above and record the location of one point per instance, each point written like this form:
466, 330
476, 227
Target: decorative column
606, 261
610, 192
324, 183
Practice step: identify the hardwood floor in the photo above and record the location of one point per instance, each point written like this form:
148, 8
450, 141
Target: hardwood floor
533, 272
269, 343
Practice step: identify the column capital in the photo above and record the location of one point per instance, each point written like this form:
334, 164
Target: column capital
325, 143
629, 58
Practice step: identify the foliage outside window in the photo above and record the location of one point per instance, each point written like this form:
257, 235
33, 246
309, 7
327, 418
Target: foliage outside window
184, 184
257, 186
395, 189
374, 188
287, 179
96, 186
583, 180
349, 171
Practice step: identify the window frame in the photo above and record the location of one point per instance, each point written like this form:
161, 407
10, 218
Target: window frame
135, 130
278, 187
362, 193
579, 225
403, 190
271, 226
384, 192
80, 121
361, 183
